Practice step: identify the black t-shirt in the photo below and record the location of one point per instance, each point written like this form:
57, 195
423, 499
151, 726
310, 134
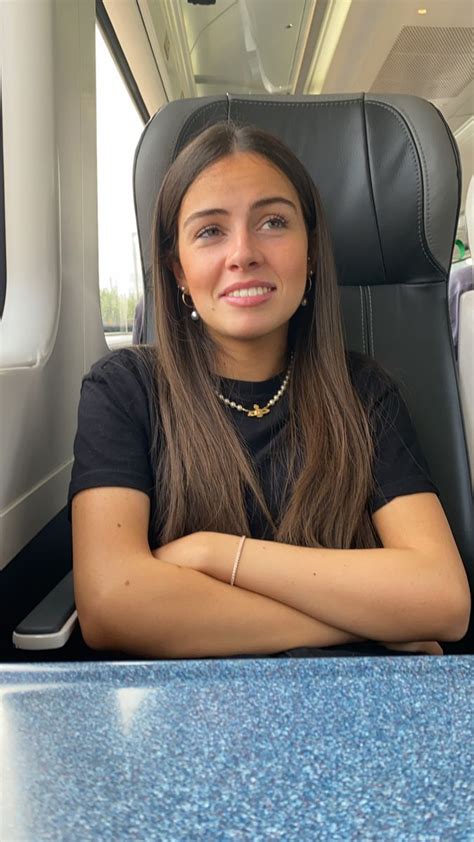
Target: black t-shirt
113, 442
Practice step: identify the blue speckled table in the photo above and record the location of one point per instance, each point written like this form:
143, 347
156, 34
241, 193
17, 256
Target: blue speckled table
259, 749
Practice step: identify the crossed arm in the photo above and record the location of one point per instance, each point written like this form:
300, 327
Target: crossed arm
177, 601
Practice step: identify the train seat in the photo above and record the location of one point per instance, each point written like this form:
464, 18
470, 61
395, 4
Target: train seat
464, 310
461, 280
388, 171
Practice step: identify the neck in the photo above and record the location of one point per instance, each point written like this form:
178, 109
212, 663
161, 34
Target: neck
253, 361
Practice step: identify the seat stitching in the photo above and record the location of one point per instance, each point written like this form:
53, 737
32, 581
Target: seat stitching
362, 318
371, 322
417, 170
310, 104
189, 122
367, 151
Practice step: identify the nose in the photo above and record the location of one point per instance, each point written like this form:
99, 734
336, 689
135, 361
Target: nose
244, 252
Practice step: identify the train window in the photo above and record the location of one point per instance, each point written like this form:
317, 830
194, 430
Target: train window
119, 127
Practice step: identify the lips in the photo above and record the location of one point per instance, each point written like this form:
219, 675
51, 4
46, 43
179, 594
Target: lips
246, 285
248, 298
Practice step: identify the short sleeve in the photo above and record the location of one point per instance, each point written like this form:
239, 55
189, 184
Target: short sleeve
112, 442
399, 467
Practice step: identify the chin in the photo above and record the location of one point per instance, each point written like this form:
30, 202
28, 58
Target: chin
255, 324
252, 330
250, 334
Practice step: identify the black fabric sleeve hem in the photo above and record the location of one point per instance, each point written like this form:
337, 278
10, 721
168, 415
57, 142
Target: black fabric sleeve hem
96, 479
399, 489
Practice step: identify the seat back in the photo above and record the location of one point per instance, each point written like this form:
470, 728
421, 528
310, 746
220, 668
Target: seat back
388, 172
465, 348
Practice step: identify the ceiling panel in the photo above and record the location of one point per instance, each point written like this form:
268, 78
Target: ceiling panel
433, 62
246, 45
325, 46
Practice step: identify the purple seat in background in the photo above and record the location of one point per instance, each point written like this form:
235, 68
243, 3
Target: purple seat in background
461, 280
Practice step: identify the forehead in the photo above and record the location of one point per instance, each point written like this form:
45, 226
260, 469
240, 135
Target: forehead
241, 176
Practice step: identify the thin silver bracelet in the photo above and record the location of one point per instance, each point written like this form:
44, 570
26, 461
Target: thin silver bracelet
237, 558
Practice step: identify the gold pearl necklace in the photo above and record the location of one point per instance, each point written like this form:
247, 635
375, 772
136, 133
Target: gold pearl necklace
260, 411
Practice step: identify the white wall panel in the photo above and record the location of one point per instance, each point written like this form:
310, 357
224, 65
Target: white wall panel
39, 403
32, 302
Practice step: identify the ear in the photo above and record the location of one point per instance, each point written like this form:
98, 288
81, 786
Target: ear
177, 271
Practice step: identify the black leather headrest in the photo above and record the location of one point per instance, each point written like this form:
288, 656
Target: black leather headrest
387, 168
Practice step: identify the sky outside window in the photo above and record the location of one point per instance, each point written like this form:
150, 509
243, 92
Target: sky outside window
119, 127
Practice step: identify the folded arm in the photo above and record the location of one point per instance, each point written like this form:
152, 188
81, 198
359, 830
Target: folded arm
414, 588
129, 601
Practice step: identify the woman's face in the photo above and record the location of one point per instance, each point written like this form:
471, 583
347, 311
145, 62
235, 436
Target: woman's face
243, 248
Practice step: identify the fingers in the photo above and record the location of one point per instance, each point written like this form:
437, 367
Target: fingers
426, 647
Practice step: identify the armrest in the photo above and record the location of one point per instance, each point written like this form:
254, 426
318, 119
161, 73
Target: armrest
50, 624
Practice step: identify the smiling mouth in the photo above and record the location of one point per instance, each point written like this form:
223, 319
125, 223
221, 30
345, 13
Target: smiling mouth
252, 292
250, 297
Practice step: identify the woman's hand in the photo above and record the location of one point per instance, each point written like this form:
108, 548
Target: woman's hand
212, 553
189, 551
429, 647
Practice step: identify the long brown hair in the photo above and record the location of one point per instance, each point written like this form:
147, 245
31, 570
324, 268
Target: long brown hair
203, 472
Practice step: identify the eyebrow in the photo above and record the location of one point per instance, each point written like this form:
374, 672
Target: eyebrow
260, 203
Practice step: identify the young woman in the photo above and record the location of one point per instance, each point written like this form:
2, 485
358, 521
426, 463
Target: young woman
245, 486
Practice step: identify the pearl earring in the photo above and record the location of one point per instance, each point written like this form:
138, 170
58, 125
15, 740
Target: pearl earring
304, 303
194, 314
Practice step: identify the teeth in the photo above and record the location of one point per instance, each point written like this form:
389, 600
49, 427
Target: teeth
244, 293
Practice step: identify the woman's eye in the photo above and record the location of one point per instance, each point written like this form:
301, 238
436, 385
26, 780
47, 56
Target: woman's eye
208, 231
275, 222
